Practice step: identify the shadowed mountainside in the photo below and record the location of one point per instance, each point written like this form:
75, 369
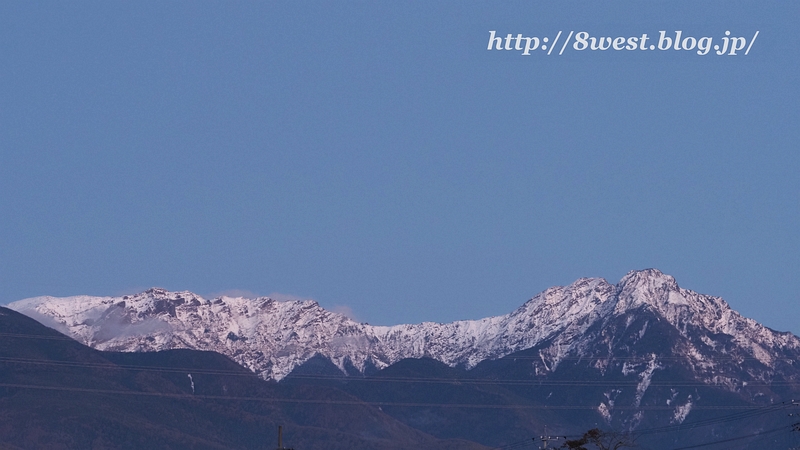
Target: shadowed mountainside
56, 393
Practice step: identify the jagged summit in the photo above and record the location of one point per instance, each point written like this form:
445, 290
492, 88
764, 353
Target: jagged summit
273, 337
647, 276
648, 281
648, 287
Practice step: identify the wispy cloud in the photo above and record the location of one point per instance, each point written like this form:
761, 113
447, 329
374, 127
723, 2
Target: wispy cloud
287, 297
345, 311
233, 293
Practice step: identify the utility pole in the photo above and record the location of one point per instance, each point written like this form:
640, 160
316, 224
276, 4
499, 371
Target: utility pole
546, 438
280, 439
795, 426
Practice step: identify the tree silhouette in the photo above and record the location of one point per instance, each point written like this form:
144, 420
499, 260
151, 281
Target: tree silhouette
601, 440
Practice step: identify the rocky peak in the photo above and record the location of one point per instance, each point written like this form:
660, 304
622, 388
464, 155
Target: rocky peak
648, 278
649, 288
273, 337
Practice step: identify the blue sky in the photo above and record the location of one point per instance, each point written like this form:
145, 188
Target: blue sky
375, 156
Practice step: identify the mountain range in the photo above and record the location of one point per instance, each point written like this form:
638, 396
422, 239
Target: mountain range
642, 354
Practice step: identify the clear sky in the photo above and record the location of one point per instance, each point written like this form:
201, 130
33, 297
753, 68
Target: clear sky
376, 156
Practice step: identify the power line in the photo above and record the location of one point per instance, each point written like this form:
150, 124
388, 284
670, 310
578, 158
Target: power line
454, 381
717, 420
59, 337
112, 366
529, 382
384, 379
330, 402
738, 438
508, 357
643, 358
748, 411
687, 425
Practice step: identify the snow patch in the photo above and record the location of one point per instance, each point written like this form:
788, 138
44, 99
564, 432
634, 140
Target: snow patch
643, 330
644, 380
682, 411
604, 411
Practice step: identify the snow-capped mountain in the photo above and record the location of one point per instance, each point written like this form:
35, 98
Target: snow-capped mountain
272, 337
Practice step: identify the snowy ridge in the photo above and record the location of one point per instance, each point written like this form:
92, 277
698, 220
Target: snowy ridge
272, 338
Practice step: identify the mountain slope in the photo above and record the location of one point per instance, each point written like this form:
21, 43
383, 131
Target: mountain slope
56, 393
272, 338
